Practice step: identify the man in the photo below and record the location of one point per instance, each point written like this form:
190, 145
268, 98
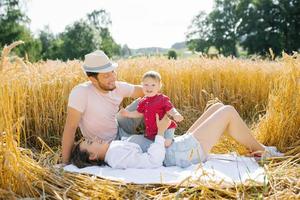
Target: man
93, 105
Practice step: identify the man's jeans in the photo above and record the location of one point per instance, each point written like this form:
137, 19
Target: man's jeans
128, 128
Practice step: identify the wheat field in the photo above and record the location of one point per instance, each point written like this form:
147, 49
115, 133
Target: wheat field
33, 109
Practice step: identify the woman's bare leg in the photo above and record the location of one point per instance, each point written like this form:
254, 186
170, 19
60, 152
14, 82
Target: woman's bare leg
227, 118
213, 108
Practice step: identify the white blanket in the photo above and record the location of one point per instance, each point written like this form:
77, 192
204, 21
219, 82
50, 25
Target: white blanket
227, 170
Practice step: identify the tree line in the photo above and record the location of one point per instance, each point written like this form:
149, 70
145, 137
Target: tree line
78, 39
253, 25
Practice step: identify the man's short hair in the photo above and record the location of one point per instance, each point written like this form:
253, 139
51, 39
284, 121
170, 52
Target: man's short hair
92, 74
81, 158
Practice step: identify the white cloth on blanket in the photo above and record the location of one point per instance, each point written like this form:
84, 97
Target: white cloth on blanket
226, 170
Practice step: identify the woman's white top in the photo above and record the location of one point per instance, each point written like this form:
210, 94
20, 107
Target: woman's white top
123, 154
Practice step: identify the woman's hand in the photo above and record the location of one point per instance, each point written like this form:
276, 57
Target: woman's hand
168, 142
162, 124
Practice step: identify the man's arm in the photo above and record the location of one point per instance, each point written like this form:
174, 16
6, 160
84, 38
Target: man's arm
137, 92
72, 121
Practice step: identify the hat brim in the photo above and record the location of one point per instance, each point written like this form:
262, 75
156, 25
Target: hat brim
110, 68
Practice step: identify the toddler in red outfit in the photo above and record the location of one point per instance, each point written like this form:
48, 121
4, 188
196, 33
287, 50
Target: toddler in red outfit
154, 103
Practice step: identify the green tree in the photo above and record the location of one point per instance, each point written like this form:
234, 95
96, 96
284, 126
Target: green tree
52, 45
31, 48
217, 29
108, 45
269, 24
258, 29
223, 20
172, 54
256, 25
199, 33
290, 24
79, 39
13, 23
56, 50
125, 51
47, 40
100, 20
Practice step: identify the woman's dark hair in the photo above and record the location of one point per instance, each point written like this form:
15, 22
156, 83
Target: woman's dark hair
81, 158
92, 74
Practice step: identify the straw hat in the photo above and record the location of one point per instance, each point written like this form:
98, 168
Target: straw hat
98, 62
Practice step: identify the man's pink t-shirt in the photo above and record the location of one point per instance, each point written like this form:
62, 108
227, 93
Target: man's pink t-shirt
98, 120
150, 106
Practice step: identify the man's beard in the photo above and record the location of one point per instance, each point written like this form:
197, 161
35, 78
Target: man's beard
102, 87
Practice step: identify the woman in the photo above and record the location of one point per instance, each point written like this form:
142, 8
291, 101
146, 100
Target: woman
190, 148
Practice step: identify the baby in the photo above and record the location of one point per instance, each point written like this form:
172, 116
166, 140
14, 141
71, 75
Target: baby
154, 103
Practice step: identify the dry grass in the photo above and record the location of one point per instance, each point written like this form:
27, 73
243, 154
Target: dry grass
281, 124
33, 106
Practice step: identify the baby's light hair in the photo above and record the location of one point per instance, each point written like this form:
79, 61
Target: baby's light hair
152, 74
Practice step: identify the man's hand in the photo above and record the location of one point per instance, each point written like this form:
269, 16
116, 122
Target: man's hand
123, 112
162, 124
137, 92
59, 166
178, 117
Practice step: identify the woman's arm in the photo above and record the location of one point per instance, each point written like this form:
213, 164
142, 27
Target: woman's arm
131, 155
153, 158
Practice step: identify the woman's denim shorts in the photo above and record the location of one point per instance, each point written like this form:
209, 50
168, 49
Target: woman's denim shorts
184, 151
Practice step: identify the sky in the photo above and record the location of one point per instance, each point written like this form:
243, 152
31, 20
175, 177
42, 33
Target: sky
137, 23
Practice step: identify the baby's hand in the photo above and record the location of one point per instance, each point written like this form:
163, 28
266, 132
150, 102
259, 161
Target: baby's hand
123, 112
178, 117
168, 142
